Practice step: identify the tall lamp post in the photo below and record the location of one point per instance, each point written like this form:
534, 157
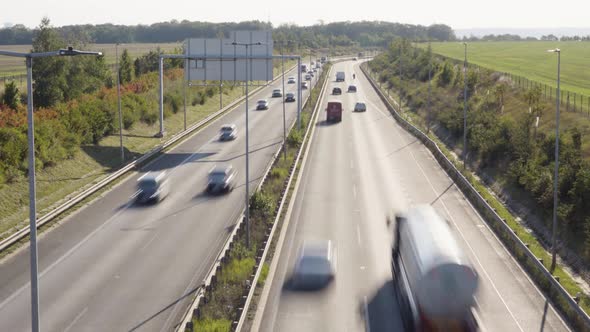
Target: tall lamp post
31, 160
119, 103
465, 106
556, 174
247, 145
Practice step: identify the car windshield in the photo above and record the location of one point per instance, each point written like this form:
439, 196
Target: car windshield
314, 265
227, 129
360, 105
148, 185
217, 177
262, 101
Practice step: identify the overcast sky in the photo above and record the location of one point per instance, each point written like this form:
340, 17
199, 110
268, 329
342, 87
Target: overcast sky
459, 14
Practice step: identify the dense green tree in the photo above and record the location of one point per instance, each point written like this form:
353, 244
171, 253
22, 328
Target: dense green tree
10, 96
49, 72
125, 68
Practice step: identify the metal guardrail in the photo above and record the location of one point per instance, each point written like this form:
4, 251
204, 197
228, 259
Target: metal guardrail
193, 309
543, 278
12, 239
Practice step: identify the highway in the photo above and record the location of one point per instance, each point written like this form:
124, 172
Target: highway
117, 266
357, 172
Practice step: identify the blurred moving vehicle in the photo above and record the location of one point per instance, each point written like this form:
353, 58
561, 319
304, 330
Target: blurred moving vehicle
340, 76
291, 80
290, 97
352, 88
360, 107
152, 187
307, 77
277, 93
221, 179
304, 85
315, 266
334, 111
228, 132
262, 104
336, 91
435, 283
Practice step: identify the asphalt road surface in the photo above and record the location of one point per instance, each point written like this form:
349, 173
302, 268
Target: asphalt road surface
116, 266
357, 172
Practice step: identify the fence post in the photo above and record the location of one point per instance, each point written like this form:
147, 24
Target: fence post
545, 92
575, 101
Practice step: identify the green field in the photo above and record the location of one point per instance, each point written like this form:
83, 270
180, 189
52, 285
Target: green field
529, 59
14, 66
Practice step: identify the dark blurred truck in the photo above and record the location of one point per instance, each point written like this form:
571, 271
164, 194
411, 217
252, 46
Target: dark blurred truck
434, 281
334, 111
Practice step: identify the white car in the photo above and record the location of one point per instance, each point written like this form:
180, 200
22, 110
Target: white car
316, 265
277, 93
291, 80
308, 77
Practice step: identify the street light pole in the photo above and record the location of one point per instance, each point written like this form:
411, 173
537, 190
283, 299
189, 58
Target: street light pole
161, 70
31, 170
556, 170
428, 110
119, 104
247, 214
32, 200
465, 107
284, 113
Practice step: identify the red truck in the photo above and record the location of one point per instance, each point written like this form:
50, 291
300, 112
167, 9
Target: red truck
334, 111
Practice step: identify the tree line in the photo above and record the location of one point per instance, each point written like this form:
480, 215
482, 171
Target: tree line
513, 37
365, 33
502, 134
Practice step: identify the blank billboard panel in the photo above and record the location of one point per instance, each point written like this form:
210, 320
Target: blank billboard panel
207, 52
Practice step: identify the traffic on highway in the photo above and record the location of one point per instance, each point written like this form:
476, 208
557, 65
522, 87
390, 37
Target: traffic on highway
376, 237
133, 258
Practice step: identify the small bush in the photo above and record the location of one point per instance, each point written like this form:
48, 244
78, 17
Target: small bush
213, 325
237, 270
263, 274
295, 138
277, 173
261, 204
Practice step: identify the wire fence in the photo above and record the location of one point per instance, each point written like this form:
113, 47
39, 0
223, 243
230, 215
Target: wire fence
571, 101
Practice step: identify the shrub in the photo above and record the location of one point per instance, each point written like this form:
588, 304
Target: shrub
237, 270
295, 138
261, 204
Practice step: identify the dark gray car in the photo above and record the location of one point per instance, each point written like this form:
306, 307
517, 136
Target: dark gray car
221, 179
152, 188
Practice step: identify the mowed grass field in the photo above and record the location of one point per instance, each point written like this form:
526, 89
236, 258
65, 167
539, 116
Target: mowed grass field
15, 66
529, 59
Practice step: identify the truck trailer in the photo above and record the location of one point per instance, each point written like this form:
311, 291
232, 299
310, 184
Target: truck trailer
435, 282
334, 111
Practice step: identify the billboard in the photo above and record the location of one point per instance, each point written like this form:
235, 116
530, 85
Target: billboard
218, 59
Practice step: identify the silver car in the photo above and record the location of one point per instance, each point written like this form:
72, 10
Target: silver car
316, 265
291, 80
228, 132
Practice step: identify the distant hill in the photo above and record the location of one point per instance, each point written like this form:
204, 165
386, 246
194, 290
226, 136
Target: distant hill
523, 32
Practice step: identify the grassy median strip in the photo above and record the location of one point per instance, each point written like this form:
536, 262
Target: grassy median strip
525, 236
221, 306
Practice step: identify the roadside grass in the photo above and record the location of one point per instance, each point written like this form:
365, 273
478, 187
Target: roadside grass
525, 236
222, 302
528, 59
